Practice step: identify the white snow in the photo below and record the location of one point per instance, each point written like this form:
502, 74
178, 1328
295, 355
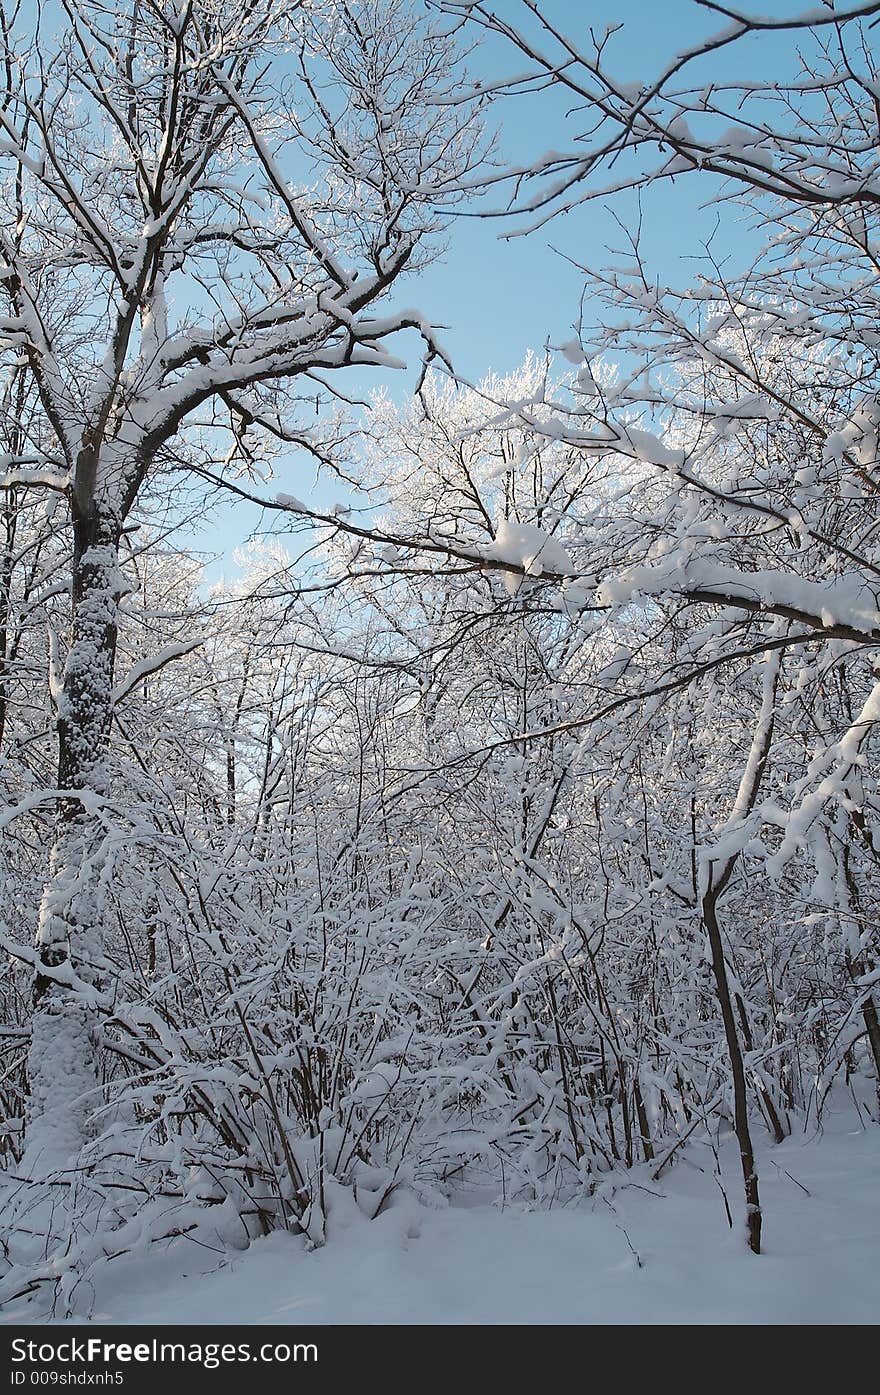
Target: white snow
479, 1264
529, 547
572, 351
847, 600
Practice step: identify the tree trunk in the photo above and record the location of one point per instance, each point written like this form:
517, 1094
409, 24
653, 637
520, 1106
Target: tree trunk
737, 1070
6, 568
62, 1064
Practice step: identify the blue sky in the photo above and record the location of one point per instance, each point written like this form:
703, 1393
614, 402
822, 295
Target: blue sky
501, 297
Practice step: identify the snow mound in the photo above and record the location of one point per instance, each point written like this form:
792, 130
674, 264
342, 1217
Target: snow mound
638, 1251
529, 547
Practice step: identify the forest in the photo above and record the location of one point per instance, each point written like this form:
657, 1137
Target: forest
504, 821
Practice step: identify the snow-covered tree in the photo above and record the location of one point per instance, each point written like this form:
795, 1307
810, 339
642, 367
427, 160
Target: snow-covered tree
513, 820
211, 202
746, 406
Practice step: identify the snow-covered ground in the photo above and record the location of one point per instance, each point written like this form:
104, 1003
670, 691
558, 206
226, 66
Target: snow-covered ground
478, 1263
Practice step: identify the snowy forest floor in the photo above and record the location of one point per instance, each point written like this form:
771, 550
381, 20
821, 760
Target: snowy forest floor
473, 1262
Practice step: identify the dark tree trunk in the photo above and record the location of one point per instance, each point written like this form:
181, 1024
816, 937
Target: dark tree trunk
737, 1068
62, 1064
84, 724
6, 568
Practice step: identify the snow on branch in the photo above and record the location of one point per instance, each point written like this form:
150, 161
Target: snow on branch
145, 667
